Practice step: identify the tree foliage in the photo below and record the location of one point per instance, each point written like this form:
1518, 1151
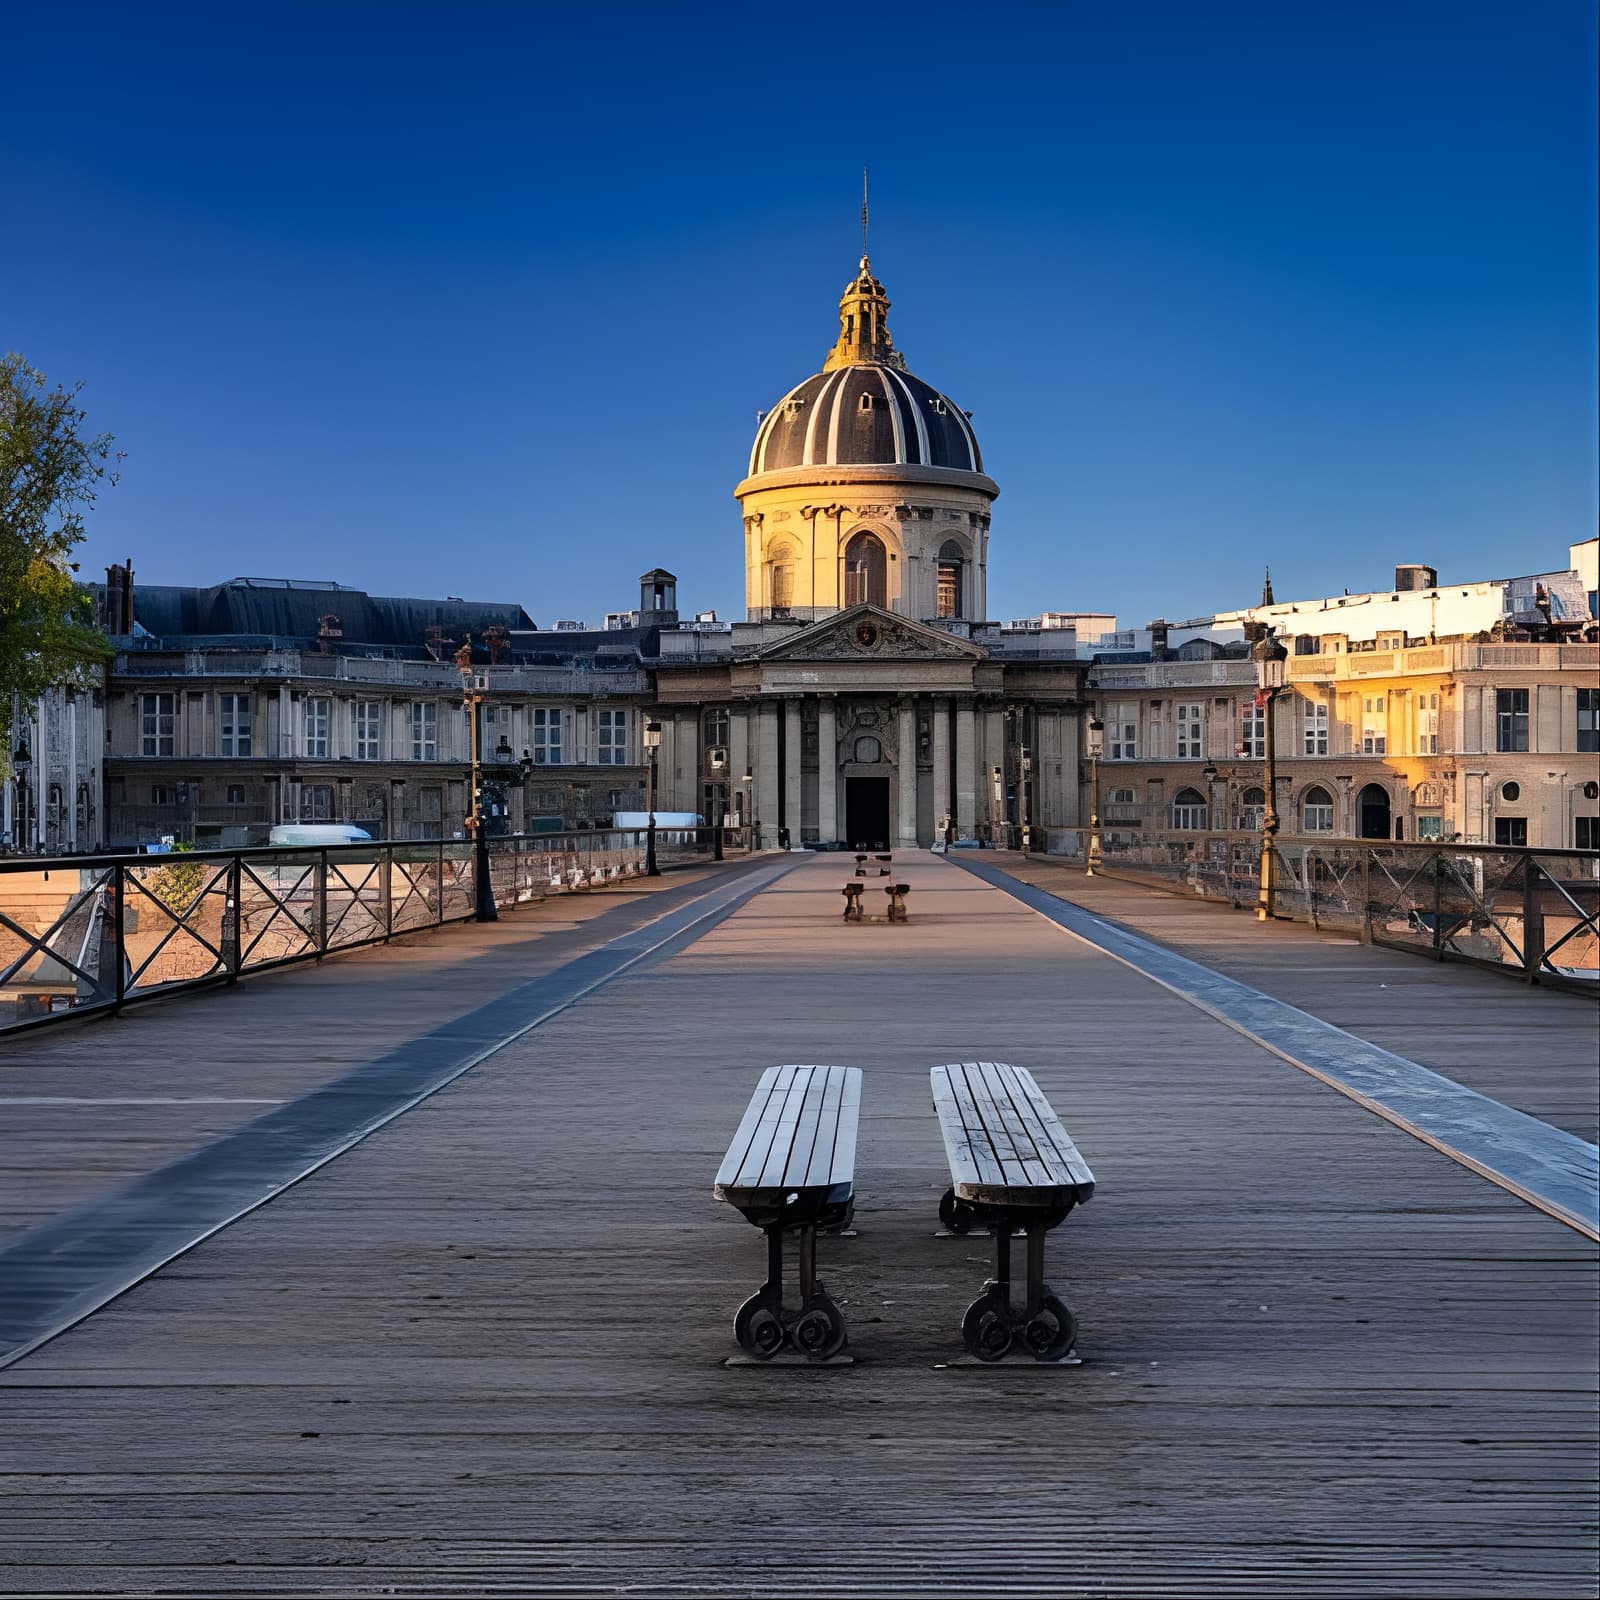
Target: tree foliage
51, 472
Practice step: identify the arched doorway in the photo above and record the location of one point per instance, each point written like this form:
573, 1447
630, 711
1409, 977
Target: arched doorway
866, 571
1373, 817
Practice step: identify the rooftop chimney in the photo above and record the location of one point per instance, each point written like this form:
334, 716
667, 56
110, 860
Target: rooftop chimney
116, 609
1408, 579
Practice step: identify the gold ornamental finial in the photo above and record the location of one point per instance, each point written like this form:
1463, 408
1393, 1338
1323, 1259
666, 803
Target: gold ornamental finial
863, 314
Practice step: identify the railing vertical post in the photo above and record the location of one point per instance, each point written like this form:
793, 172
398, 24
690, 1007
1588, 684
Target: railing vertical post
438, 883
1438, 906
322, 903
232, 943
1532, 921
118, 903
1366, 894
386, 887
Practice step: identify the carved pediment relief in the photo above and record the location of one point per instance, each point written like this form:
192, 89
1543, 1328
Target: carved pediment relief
864, 633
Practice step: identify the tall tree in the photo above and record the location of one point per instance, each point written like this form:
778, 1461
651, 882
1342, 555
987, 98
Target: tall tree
51, 472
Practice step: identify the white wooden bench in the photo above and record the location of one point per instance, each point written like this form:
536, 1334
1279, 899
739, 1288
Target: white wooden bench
1012, 1165
791, 1169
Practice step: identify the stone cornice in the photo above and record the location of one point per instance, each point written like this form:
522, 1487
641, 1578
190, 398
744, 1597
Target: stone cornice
820, 477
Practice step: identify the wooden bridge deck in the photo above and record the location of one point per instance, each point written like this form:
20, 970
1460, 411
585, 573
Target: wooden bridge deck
481, 1351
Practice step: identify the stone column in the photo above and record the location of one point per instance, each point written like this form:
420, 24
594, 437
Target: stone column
906, 820
791, 769
941, 764
827, 772
739, 756
994, 755
967, 775
766, 801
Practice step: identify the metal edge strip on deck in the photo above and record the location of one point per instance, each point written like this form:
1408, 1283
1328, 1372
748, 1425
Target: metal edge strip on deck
1546, 1166
69, 1266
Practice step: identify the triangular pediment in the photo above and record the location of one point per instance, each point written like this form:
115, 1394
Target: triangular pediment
868, 633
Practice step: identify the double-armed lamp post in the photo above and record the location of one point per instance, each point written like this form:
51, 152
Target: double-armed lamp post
1271, 660
1096, 746
472, 694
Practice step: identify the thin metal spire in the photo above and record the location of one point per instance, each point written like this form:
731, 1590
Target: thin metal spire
863, 213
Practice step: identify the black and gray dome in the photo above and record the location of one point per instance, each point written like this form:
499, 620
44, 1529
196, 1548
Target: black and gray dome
870, 414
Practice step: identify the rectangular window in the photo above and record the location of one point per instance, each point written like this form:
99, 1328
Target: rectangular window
160, 795
613, 738
157, 716
1588, 721
424, 732
1191, 732
1511, 830
1430, 825
316, 802
318, 711
1586, 833
1316, 729
1253, 731
366, 718
1374, 724
1428, 725
545, 727
1511, 720
235, 794
1122, 732
233, 724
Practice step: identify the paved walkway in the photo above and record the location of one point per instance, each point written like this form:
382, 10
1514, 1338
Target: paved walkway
482, 1349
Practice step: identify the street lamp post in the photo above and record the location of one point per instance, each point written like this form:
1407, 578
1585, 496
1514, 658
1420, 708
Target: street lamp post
22, 814
652, 743
472, 703
747, 810
719, 763
1096, 749
1271, 660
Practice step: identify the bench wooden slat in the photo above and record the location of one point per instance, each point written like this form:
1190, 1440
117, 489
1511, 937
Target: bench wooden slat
972, 1157
799, 1132
1068, 1153
813, 1166
1020, 1157
755, 1114
785, 1166
1002, 1136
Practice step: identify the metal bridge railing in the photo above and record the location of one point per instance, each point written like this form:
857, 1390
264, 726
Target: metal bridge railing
1532, 912
87, 934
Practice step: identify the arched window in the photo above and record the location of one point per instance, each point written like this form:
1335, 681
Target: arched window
866, 571
1252, 803
1189, 809
1316, 811
782, 558
947, 599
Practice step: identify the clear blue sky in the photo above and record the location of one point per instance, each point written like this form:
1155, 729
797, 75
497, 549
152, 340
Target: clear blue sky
483, 299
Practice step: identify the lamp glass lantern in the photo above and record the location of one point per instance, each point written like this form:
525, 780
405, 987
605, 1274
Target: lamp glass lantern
1097, 739
1271, 660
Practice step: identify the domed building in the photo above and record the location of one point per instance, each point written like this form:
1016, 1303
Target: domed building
865, 701
865, 486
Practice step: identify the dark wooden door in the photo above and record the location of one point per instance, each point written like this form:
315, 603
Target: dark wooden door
866, 812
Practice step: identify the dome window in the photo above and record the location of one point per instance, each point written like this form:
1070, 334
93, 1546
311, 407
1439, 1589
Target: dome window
867, 402
940, 409
791, 409
865, 571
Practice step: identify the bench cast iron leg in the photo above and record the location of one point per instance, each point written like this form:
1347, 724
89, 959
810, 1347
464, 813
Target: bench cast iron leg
817, 1330
1045, 1326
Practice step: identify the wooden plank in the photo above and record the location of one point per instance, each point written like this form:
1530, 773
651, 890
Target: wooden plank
1075, 1168
843, 1169
1068, 1164
1020, 1158
798, 1161
746, 1132
972, 1155
817, 1170
771, 1172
